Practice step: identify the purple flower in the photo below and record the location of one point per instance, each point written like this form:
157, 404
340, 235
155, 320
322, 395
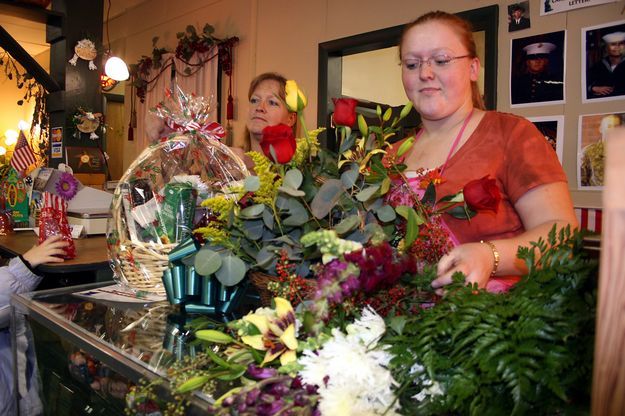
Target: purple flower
270, 409
252, 396
67, 186
261, 373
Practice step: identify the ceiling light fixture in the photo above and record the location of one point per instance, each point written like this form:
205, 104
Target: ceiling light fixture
114, 67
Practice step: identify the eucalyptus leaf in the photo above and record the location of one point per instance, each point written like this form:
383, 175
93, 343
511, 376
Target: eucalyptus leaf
348, 143
264, 257
293, 178
386, 213
251, 183
298, 214
268, 218
326, 198
253, 229
350, 176
348, 224
367, 193
232, 270
253, 211
291, 191
207, 262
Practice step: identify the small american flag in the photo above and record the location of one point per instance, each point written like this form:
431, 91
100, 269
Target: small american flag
23, 155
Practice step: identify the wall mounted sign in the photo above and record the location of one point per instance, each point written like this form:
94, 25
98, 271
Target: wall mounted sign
559, 6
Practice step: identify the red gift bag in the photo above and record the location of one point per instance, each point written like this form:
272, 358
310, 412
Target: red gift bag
53, 221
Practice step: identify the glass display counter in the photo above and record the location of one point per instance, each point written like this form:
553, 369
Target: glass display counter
89, 353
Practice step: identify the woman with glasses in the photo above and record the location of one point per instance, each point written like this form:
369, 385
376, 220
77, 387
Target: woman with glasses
459, 142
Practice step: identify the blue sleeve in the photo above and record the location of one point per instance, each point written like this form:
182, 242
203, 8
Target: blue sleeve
16, 277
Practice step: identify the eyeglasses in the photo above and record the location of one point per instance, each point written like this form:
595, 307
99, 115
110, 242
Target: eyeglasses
439, 61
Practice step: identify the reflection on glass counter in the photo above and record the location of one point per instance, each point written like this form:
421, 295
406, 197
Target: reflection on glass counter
90, 352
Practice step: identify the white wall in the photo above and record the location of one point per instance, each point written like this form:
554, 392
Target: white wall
283, 36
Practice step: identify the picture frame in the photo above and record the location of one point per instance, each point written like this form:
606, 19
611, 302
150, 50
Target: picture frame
537, 70
601, 81
592, 132
552, 127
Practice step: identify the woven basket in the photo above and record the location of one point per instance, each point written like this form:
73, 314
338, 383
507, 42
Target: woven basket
260, 281
141, 264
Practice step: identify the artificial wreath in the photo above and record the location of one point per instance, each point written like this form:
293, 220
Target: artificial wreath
190, 42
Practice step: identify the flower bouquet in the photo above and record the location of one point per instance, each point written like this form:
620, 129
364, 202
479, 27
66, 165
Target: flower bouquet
299, 187
525, 352
371, 336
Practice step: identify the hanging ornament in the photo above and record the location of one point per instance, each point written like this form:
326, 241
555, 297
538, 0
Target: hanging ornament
85, 49
87, 122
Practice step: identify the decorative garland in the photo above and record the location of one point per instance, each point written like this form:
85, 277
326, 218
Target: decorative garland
34, 90
189, 43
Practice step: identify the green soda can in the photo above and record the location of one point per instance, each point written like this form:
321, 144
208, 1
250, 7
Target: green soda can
177, 211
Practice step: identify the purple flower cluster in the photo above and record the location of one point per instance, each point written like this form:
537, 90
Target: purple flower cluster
273, 394
368, 269
380, 266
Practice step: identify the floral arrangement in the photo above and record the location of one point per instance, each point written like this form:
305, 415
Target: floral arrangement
299, 187
525, 352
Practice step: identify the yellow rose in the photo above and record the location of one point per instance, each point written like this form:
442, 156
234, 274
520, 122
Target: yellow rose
295, 99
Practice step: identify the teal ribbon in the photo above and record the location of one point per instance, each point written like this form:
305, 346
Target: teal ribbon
179, 281
197, 294
193, 281
207, 294
176, 279
199, 308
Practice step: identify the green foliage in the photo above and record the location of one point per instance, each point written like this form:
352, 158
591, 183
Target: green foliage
525, 352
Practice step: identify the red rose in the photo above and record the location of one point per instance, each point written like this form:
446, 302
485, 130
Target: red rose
344, 111
281, 139
482, 194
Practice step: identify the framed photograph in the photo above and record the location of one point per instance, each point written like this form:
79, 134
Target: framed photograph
552, 127
592, 131
519, 16
537, 70
603, 66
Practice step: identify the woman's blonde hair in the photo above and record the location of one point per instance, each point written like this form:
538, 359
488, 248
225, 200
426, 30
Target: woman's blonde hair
465, 33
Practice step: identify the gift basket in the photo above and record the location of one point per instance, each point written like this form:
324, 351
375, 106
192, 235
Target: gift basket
154, 205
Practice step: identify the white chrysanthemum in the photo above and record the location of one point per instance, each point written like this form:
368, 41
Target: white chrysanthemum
368, 329
352, 378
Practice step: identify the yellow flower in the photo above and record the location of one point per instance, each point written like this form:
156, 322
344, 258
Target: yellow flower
277, 332
295, 99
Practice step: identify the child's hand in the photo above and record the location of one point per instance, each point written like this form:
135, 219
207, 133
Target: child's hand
47, 252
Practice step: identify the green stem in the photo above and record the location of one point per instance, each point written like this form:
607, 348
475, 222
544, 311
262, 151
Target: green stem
302, 121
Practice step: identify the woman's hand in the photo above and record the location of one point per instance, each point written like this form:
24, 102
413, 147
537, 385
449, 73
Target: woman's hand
47, 252
475, 260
